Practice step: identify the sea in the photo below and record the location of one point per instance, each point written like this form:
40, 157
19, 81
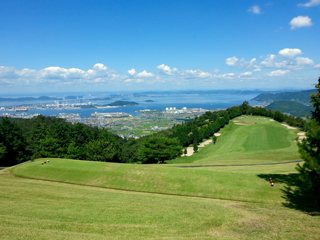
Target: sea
209, 100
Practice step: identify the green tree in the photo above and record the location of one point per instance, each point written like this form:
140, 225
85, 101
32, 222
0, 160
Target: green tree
195, 147
310, 153
214, 139
13, 146
157, 149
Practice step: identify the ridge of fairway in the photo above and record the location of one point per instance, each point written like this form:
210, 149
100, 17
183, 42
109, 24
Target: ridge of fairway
238, 185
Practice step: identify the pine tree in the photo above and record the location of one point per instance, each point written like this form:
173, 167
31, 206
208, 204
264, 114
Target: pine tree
310, 153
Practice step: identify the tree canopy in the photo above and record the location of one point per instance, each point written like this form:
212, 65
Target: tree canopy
310, 153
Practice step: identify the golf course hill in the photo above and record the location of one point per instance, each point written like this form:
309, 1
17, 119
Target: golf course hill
220, 192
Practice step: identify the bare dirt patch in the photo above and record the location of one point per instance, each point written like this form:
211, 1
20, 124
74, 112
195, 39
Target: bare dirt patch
243, 123
190, 151
301, 136
287, 126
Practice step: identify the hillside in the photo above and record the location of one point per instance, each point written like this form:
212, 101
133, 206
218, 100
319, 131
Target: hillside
70, 199
249, 139
291, 107
302, 97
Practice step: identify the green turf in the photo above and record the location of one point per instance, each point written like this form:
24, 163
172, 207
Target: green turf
258, 140
226, 183
133, 201
35, 209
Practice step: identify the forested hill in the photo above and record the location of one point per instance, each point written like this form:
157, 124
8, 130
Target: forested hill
302, 97
25, 139
291, 107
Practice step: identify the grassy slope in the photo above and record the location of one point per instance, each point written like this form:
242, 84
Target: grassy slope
259, 140
207, 182
35, 209
236, 183
52, 210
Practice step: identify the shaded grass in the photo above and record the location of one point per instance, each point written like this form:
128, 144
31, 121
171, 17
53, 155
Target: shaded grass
259, 140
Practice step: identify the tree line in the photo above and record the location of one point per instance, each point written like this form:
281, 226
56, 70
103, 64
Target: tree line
25, 139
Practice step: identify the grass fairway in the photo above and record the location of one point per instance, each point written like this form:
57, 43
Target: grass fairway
232, 183
70, 199
36, 209
248, 139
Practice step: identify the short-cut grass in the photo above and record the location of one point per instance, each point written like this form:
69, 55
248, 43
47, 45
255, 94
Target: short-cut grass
37, 209
248, 139
221, 183
71, 199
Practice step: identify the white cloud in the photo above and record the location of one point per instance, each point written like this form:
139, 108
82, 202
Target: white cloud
278, 73
132, 71
228, 76
165, 69
269, 61
317, 65
255, 9
197, 73
304, 61
290, 52
300, 21
232, 61
144, 74
99, 67
245, 74
311, 3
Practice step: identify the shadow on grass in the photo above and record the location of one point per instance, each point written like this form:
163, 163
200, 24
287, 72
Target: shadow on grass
294, 192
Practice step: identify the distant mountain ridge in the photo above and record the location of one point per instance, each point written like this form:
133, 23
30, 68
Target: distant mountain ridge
43, 98
298, 96
291, 107
293, 103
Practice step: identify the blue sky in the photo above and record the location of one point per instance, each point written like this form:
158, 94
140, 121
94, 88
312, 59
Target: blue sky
76, 45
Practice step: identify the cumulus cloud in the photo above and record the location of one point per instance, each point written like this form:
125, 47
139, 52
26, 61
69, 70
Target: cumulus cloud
132, 72
144, 74
290, 52
99, 73
245, 74
317, 66
255, 9
99, 67
228, 76
232, 61
197, 73
304, 61
310, 3
278, 73
165, 69
300, 21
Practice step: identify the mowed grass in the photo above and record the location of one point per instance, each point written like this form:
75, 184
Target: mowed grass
247, 140
232, 183
36, 209
70, 199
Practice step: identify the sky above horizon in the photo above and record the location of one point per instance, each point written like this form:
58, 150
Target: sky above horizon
119, 45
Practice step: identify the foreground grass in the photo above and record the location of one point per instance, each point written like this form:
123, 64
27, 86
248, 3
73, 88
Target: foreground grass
257, 139
35, 209
235, 183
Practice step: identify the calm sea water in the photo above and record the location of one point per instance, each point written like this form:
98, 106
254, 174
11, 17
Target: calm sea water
209, 100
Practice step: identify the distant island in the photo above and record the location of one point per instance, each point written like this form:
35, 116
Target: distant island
122, 103
149, 101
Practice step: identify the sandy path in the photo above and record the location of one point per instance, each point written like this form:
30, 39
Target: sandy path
190, 151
